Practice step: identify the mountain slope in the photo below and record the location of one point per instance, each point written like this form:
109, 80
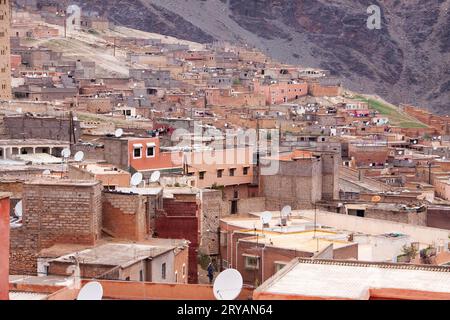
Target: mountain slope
407, 61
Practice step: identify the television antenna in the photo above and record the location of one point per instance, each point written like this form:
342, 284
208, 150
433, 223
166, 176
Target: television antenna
266, 216
79, 156
65, 153
18, 209
228, 285
91, 291
155, 176
118, 133
136, 179
284, 215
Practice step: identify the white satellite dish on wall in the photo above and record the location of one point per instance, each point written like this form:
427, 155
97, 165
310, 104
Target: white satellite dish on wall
136, 179
18, 209
91, 291
79, 156
266, 216
65, 153
286, 211
118, 133
228, 285
46, 172
155, 176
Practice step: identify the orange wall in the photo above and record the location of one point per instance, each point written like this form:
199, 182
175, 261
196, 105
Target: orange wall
161, 160
4, 248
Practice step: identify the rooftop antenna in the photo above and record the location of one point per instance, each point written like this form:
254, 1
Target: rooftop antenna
91, 291
228, 285
136, 179
266, 216
65, 154
118, 133
18, 209
284, 215
79, 156
155, 176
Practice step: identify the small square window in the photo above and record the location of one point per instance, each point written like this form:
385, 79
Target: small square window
150, 151
245, 170
137, 153
219, 173
201, 175
251, 262
232, 171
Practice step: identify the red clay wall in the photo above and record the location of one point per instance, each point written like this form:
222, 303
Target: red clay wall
181, 221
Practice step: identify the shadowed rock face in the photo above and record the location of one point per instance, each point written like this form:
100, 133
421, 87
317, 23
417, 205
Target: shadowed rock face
407, 61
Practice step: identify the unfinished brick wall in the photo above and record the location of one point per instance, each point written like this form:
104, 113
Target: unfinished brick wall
61, 211
124, 215
180, 220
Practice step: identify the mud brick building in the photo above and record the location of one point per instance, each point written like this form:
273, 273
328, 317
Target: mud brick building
302, 179
54, 211
180, 220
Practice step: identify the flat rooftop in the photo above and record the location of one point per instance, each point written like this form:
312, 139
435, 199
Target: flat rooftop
353, 280
63, 182
306, 241
32, 142
116, 254
104, 169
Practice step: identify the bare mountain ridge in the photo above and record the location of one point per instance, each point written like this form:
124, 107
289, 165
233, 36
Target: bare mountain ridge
407, 61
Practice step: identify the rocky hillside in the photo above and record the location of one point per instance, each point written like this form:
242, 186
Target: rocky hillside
407, 61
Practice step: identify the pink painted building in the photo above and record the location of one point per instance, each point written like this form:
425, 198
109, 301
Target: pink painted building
281, 92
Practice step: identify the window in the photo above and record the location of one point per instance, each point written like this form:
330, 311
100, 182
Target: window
137, 153
201, 175
184, 270
219, 173
279, 265
232, 171
127, 279
150, 152
251, 262
141, 275
176, 276
163, 271
245, 170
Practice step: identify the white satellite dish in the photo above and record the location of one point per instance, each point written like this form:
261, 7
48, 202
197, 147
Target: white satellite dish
266, 216
155, 176
79, 156
91, 291
65, 153
136, 179
118, 133
286, 211
228, 285
46, 172
18, 209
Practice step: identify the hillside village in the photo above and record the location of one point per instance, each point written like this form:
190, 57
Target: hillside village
138, 159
